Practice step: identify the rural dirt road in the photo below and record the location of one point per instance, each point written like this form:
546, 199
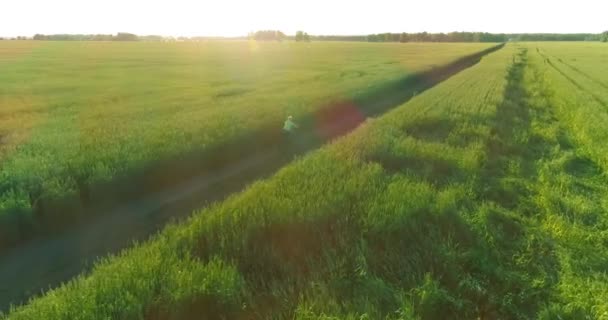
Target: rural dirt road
43, 264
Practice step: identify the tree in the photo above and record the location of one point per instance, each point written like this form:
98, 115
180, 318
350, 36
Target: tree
438, 37
101, 37
476, 37
268, 35
123, 36
302, 36
372, 38
604, 37
151, 38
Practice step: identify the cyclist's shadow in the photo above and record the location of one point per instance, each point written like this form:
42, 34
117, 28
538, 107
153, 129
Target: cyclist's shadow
293, 143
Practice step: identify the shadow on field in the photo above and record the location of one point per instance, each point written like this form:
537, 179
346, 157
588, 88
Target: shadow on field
431, 130
510, 142
439, 172
102, 219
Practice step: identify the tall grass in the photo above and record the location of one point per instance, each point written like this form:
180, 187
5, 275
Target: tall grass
573, 190
473, 200
104, 113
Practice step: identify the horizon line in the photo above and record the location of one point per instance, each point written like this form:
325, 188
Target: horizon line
288, 34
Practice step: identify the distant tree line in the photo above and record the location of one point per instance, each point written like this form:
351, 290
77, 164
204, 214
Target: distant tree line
556, 37
15, 38
210, 38
121, 36
276, 35
462, 37
340, 38
74, 37
268, 35
302, 36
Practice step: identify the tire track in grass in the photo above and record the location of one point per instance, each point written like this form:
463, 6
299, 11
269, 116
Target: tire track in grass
45, 263
595, 97
507, 192
579, 71
569, 188
508, 145
550, 190
530, 132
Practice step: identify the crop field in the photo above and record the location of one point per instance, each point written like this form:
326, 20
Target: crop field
77, 117
484, 197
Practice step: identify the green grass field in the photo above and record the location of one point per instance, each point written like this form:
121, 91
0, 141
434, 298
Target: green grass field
485, 197
76, 115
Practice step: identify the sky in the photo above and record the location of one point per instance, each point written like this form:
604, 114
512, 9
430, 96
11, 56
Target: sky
337, 17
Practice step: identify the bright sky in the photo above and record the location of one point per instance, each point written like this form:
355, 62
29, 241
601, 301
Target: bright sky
238, 17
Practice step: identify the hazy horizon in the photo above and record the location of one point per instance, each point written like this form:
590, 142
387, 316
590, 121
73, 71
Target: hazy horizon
233, 18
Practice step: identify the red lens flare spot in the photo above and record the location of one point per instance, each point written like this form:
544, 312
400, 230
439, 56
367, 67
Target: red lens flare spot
337, 119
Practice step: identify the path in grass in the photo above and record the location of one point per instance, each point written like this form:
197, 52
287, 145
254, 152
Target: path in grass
571, 193
538, 172
45, 263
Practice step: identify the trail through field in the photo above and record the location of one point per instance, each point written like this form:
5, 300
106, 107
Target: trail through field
577, 70
539, 170
596, 97
42, 264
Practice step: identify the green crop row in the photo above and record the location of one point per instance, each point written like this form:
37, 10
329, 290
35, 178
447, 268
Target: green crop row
586, 60
573, 188
103, 113
476, 199
580, 98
